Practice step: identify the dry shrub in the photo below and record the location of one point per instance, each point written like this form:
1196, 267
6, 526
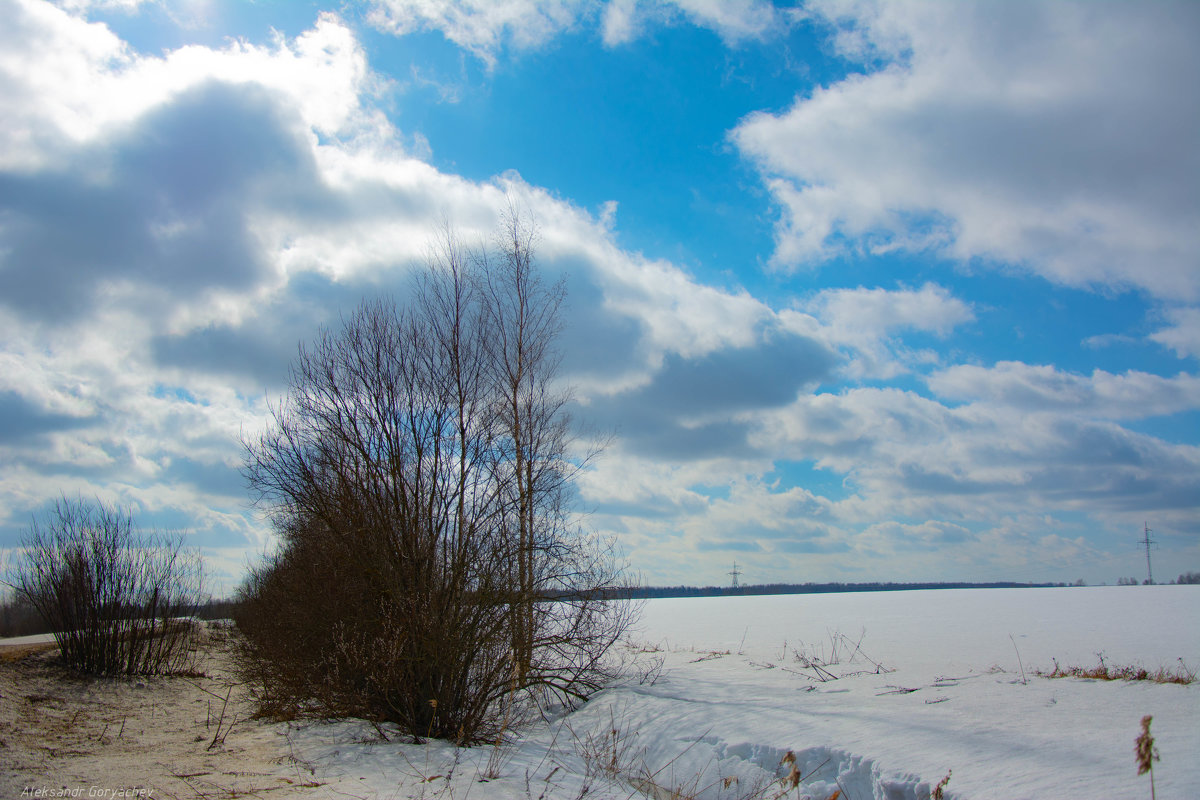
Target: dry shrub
118, 600
417, 475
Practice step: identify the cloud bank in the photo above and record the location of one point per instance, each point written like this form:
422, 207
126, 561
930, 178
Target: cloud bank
172, 225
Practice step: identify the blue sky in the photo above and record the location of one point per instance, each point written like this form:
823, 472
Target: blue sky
864, 290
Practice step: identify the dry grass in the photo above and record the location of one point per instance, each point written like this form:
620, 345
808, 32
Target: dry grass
939, 791
1181, 673
20, 651
842, 650
613, 752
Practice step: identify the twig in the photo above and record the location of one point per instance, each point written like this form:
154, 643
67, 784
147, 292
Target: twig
1024, 682
217, 737
818, 768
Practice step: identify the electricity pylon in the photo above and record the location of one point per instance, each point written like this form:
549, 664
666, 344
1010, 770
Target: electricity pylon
1147, 541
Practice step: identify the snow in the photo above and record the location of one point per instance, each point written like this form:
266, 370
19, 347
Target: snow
927, 682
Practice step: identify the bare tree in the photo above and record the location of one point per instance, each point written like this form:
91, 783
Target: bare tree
417, 473
523, 320
116, 598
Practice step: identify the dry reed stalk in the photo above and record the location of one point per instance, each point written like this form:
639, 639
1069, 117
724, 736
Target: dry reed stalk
1146, 752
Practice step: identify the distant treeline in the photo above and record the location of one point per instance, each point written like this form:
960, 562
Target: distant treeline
646, 592
18, 618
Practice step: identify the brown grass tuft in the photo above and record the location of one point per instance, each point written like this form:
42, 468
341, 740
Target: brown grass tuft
1180, 674
940, 789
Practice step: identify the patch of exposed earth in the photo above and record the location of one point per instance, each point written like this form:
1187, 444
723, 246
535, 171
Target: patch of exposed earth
63, 734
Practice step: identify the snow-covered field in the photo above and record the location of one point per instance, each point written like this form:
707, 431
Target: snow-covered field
926, 682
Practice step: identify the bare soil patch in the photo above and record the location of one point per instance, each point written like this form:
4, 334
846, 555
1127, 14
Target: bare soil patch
63, 734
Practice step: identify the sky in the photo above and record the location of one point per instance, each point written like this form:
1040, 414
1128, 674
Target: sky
862, 290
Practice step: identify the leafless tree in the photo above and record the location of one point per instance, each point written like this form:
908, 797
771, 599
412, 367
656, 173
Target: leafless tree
522, 316
117, 599
417, 473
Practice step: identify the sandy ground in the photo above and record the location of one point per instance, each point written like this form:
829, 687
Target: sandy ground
68, 735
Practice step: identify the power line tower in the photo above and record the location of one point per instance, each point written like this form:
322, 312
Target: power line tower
1147, 541
735, 572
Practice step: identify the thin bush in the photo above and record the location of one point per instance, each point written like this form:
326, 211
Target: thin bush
118, 600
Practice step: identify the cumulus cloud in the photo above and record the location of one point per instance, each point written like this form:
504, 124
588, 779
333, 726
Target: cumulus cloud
914, 456
878, 312
870, 323
735, 20
1049, 137
484, 27
22, 420
693, 407
101, 420
619, 22
66, 80
681, 516
85, 5
164, 205
1102, 395
488, 28
1182, 334
173, 226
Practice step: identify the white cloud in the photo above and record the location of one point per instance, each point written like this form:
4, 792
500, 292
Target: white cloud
619, 23
1055, 137
858, 315
1183, 334
910, 456
487, 28
86, 5
735, 20
48, 66
1028, 547
484, 27
669, 517
139, 391
65, 79
1102, 395
870, 323
139, 386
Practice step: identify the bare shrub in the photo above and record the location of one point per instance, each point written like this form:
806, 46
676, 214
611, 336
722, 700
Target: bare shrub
842, 650
417, 475
117, 600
